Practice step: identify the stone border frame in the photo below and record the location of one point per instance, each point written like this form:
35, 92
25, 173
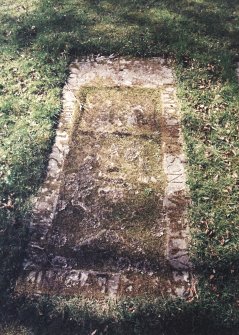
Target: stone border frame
176, 193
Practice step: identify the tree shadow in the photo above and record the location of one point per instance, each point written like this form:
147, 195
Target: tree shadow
143, 28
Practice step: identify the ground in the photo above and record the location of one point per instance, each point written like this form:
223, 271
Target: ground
201, 37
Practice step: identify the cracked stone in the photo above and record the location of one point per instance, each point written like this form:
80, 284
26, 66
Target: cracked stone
113, 185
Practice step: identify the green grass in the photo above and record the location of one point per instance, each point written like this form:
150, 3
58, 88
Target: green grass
38, 40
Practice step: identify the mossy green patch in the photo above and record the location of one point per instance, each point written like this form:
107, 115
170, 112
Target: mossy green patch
132, 110
113, 183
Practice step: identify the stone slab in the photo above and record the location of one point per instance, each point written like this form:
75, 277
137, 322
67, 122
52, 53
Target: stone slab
110, 218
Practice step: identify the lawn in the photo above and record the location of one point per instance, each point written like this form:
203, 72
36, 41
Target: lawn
38, 41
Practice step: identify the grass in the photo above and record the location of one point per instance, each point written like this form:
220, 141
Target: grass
38, 41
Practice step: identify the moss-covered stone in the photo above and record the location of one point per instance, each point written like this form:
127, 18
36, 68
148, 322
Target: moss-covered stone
110, 209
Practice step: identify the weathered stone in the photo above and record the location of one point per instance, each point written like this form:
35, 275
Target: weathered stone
180, 263
114, 201
178, 243
237, 71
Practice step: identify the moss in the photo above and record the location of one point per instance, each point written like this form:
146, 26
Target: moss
113, 181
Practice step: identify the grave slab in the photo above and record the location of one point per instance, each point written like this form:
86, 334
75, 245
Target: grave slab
110, 219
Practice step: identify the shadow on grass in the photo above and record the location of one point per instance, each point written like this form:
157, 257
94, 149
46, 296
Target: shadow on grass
57, 315
142, 28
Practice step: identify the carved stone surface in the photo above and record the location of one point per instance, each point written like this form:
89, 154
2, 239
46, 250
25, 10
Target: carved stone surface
110, 218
